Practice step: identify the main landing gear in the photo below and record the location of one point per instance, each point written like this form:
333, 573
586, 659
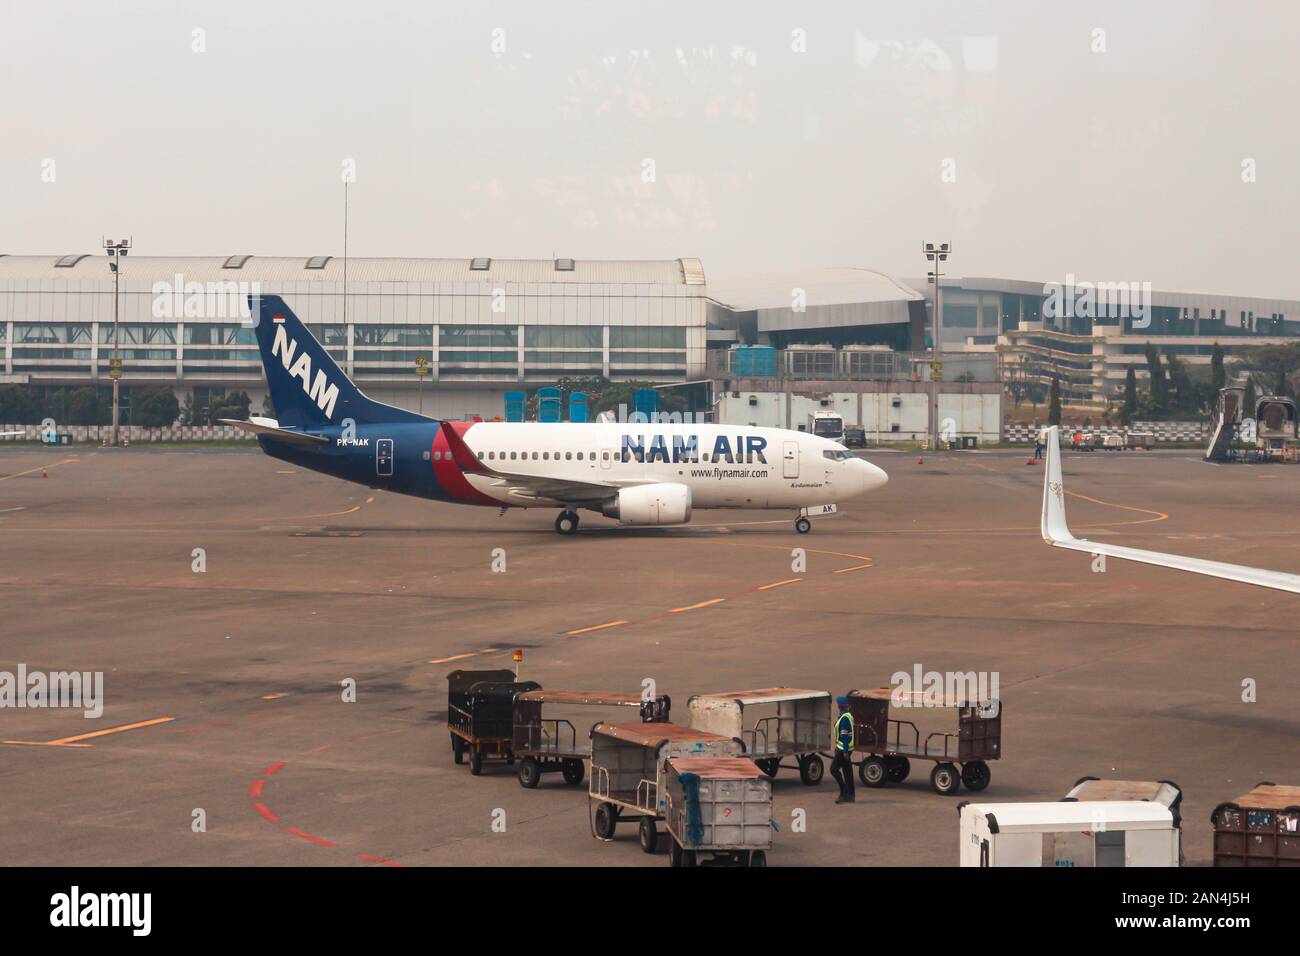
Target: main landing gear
802, 525
567, 522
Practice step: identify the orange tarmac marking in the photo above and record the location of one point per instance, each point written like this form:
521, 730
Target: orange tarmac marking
112, 730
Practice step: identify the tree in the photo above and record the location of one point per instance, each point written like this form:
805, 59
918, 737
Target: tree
1218, 375
18, 406
1279, 366
1054, 408
84, 407
235, 405
1159, 384
1130, 396
155, 408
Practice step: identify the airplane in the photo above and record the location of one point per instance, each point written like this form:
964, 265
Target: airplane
1057, 533
638, 474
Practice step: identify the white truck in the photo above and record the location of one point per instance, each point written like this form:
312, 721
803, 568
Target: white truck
826, 425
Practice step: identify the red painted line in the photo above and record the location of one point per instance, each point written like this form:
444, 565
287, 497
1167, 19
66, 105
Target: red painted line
315, 750
308, 837
261, 808
274, 768
380, 859
202, 727
256, 789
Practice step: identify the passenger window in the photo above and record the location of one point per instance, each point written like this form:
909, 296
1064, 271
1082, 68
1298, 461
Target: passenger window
513, 455
604, 456
704, 457
534, 456
480, 456
568, 456
579, 456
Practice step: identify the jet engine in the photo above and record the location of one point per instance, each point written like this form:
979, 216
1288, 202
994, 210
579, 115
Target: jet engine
660, 503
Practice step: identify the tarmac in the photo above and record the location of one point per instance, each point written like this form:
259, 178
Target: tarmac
226, 737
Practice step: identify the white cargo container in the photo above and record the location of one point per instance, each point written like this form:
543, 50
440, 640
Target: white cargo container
1100, 833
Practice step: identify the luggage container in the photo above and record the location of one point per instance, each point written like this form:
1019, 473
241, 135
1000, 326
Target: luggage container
628, 764
1103, 833
890, 745
1165, 792
544, 744
480, 712
1259, 828
719, 806
783, 722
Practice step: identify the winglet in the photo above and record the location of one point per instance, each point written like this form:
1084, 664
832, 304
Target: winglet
465, 459
1054, 526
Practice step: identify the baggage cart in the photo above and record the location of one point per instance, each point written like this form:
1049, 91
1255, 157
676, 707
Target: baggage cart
549, 744
1164, 792
1259, 828
775, 724
628, 764
480, 709
1102, 833
888, 745
719, 807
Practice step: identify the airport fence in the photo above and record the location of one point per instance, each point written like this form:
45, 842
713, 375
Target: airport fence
1163, 431
62, 434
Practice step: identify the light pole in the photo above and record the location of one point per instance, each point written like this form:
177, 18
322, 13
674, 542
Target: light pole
937, 253
117, 250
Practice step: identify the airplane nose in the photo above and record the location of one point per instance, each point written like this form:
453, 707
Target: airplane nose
870, 477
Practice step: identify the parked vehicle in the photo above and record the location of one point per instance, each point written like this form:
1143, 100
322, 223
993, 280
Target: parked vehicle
1109, 833
550, 744
855, 437
480, 709
1259, 828
717, 806
775, 723
887, 745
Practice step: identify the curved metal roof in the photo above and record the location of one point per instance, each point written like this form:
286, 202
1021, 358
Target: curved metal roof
674, 272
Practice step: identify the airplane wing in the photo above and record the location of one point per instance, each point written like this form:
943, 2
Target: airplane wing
270, 428
526, 486
1057, 533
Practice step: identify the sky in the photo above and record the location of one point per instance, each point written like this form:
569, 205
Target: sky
1150, 142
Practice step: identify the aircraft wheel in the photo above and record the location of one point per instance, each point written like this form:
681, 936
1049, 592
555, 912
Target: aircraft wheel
567, 523
802, 525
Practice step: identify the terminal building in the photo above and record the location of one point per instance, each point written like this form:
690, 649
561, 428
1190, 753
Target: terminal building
1037, 339
775, 347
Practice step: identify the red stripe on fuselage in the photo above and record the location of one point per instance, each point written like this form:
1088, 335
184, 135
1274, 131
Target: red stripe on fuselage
448, 473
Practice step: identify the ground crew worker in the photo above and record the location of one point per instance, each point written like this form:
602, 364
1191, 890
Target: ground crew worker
842, 764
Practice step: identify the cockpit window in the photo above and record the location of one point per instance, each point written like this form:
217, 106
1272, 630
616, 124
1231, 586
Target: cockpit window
838, 454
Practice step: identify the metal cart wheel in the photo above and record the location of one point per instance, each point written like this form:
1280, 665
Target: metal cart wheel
457, 749
872, 772
475, 760
976, 775
758, 858
606, 820
769, 765
573, 771
945, 779
811, 769
530, 773
897, 769
675, 852
649, 835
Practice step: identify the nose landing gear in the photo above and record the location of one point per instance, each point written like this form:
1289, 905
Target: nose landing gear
567, 522
802, 525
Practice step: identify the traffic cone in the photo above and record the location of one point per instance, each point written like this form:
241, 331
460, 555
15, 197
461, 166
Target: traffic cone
920, 460
1032, 460
44, 473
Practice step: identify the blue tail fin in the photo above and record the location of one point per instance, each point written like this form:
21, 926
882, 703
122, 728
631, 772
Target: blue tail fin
308, 388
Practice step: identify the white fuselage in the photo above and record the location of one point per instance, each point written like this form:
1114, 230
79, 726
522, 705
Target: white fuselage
725, 466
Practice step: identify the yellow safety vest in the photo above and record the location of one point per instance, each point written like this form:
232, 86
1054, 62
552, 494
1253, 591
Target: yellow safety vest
835, 731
